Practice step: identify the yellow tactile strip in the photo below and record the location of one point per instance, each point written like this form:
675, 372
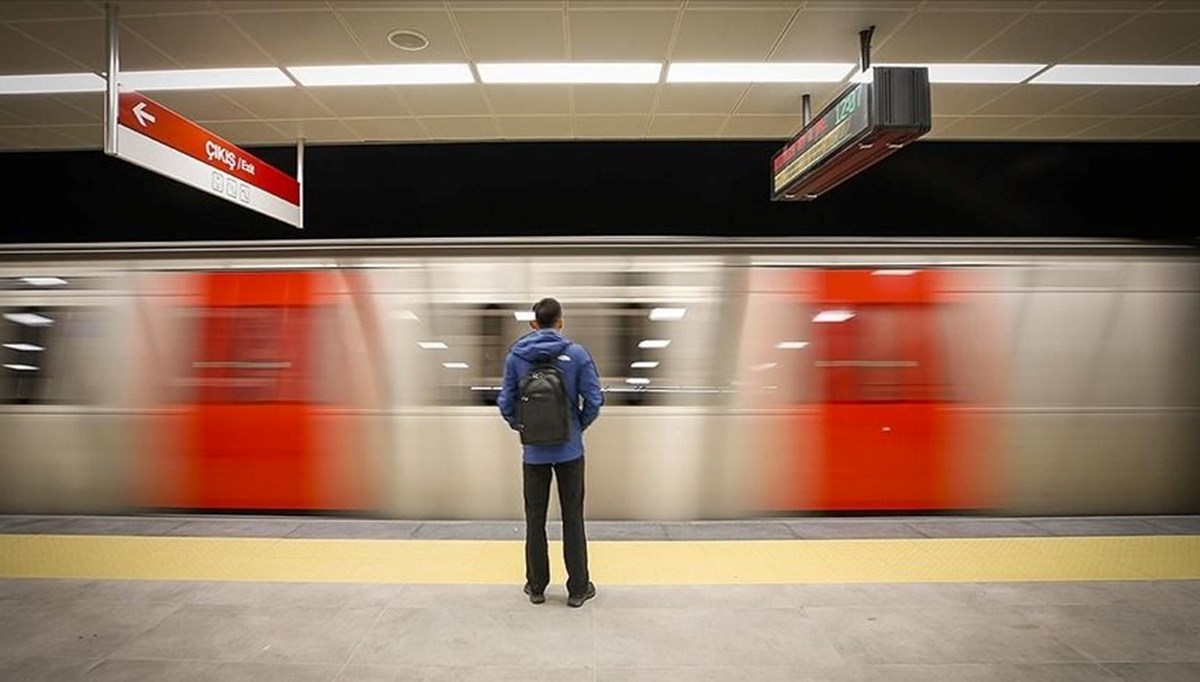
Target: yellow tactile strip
631, 563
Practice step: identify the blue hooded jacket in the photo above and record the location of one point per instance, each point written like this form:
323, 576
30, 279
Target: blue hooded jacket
581, 378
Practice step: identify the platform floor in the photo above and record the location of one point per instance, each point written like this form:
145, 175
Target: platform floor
287, 598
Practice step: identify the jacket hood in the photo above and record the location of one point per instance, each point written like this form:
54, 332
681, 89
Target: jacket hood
540, 345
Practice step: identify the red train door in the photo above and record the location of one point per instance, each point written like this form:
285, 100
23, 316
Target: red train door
250, 438
882, 422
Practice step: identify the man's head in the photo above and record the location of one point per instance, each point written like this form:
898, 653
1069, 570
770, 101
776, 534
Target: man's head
547, 314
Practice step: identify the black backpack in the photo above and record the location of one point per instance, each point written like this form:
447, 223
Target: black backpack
543, 408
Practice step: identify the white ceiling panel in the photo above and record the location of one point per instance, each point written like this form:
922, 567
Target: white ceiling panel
83, 42
247, 133
786, 98
317, 130
1145, 40
699, 98
620, 36
951, 99
625, 127
1033, 100
199, 42
1122, 128
614, 99
761, 127
854, 5
462, 128
34, 138
372, 29
1054, 127
1098, 5
522, 35
727, 35
148, 8
1185, 102
301, 38
202, 106
1116, 101
361, 101
978, 127
21, 54
529, 99
832, 36
272, 103
51, 110
690, 127
387, 129
1047, 37
535, 127
445, 100
1181, 129
941, 36
40, 10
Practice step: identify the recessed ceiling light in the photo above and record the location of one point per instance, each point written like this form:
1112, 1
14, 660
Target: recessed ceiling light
644, 364
654, 343
791, 345
637, 381
44, 281
1119, 74
833, 316
524, 315
757, 72
408, 40
382, 74
967, 73
29, 319
38, 83
893, 273
24, 347
433, 345
668, 313
570, 72
455, 365
205, 79
22, 368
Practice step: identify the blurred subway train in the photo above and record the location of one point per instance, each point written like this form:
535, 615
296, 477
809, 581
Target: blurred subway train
741, 377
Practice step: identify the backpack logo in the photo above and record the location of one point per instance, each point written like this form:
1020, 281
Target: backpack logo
543, 409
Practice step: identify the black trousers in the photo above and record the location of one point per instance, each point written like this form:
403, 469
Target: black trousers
570, 499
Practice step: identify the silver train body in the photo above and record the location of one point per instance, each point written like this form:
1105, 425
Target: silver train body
1081, 357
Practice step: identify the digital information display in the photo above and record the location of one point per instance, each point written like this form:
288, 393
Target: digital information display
848, 118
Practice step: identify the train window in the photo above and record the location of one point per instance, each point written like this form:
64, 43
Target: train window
48, 355
883, 353
252, 355
27, 337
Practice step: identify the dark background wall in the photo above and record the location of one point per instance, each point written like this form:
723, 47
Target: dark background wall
1141, 191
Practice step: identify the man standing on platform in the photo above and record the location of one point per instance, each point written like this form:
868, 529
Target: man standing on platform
551, 394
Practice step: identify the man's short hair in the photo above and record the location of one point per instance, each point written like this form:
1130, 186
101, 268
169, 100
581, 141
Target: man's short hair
548, 312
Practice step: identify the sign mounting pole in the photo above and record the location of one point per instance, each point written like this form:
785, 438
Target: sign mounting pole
300, 179
114, 70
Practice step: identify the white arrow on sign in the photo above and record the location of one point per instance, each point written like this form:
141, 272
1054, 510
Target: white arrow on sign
142, 114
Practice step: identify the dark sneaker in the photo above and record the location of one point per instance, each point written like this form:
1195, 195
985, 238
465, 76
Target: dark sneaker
577, 600
535, 597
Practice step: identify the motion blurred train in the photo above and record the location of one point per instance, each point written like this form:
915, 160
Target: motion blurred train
742, 377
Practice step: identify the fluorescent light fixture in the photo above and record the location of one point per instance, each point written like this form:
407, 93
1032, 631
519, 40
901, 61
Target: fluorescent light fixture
570, 72
455, 365
893, 273
654, 343
833, 316
644, 364
791, 345
205, 79
433, 345
44, 281
29, 319
762, 367
27, 347
966, 73
757, 72
1119, 74
524, 315
637, 381
383, 74
485, 388
39, 83
668, 313
22, 368
406, 315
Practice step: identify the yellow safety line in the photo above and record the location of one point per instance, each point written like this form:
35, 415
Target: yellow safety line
630, 563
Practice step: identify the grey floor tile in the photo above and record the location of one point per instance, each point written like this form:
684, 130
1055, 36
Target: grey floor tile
117, 670
699, 596
668, 637
1087, 592
117, 525
722, 673
1180, 589
624, 530
294, 594
141, 591
729, 530
471, 530
471, 596
1156, 672
980, 672
1127, 632
79, 629
483, 673
42, 669
1104, 526
547, 635
1187, 525
939, 634
845, 529
983, 528
885, 594
43, 589
355, 529
283, 634
36, 525
236, 528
